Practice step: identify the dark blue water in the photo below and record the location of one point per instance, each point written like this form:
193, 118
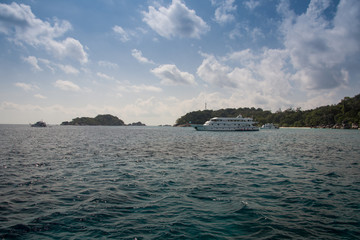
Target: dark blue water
177, 183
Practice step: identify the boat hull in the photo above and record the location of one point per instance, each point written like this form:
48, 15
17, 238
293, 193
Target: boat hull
244, 129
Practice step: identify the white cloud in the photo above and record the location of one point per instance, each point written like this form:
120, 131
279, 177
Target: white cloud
26, 86
33, 62
68, 69
222, 13
175, 21
67, 85
145, 88
215, 73
125, 87
236, 32
137, 54
318, 54
69, 47
40, 96
242, 78
262, 79
243, 30
252, 4
18, 108
22, 27
108, 64
105, 76
47, 63
322, 52
256, 34
244, 57
171, 75
124, 36
321, 98
154, 110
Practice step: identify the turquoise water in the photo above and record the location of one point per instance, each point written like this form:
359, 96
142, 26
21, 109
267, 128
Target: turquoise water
176, 183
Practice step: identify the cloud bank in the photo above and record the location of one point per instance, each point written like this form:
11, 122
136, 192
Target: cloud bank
20, 24
319, 54
322, 52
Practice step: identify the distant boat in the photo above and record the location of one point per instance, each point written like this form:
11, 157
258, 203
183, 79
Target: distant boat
269, 126
228, 124
39, 124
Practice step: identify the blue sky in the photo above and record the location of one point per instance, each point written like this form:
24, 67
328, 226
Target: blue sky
153, 61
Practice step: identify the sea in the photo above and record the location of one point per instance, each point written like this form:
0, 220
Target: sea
82, 182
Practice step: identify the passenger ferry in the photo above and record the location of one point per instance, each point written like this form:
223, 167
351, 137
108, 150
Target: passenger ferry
228, 124
269, 126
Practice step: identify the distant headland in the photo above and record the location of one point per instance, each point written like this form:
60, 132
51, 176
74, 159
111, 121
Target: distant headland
100, 120
344, 115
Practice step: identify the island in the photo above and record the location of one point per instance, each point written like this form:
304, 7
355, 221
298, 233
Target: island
136, 124
344, 115
99, 120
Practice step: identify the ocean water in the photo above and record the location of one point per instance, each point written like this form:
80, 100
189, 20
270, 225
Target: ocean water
67, 182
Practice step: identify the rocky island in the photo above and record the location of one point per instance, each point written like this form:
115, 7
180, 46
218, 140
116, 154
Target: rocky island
136, 124
100, 120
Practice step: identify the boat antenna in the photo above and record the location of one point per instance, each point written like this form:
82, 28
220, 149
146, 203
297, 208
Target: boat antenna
205, 106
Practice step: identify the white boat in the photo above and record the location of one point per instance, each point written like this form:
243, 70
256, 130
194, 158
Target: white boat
269, 126
228, 124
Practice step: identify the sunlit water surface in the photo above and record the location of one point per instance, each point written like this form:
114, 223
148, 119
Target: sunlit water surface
66, 182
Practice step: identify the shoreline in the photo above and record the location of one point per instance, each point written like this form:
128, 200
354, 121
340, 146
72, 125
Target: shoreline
319, 128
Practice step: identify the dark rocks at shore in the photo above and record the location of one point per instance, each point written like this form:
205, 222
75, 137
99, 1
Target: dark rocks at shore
338, 126
136, 124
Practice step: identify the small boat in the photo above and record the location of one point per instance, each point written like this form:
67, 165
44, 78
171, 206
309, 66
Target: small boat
238, 123
269, 126
39, 124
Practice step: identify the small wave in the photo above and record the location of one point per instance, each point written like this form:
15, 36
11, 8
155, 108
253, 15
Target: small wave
332, 175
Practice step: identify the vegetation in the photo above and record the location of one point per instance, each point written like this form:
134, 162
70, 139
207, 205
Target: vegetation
345, 114
103, 120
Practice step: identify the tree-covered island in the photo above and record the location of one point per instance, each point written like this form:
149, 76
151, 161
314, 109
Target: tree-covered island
345, 114
100, 120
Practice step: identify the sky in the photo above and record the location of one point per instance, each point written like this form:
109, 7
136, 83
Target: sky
155, 60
